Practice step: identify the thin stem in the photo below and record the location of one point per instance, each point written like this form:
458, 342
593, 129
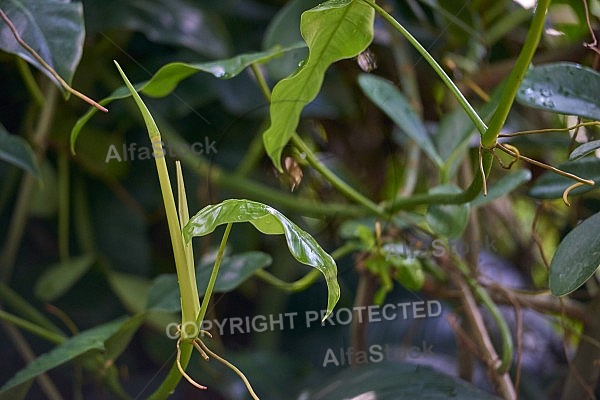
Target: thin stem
33, 328
213, 276
490, 136
47, 67
262, 83
477, 121
550, 130
32, 87
339, 184
63, 206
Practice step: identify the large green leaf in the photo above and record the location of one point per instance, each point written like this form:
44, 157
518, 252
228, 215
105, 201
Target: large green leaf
92, 339
564, 88
388, 98
15, 150
391, 381
551, 185
59, 278
269, 221
53, 28
577, 257
170, 75
234, 270
333, 31
448, 220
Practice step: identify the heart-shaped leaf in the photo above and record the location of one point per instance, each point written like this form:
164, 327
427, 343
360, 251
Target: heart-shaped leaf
577, 257
269, 221
565, 88
53, 28
333, 31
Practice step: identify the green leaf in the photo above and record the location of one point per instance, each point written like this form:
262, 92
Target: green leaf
391, 381
584, 149
551, 185
92, 339
53, 28
577, 257
131, 289
565, 88
385, 95
170, 75
448, 220
334, 30
118, 342
269, 221
234, 270
59, 278
505, 185
16, 151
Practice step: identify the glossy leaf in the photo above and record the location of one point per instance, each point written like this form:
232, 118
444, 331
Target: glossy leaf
169, 76
584, 149
333, 31
59, 278
53, 28
16, 151
234, 270
551, 185
385, 95
92, 339
577, 257
269, 221
504, 185
564, 88
449, 220
391, 381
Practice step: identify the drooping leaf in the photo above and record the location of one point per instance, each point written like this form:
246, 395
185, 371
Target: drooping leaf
565, 88
551, 185
269, 221
449, 220
393, 103
59, 278
170, 75
384, 380
118, 341
577, 257
53, 28
505, 185
180, 23
92, 339
15, 150
234, 270
584, 149
333, 31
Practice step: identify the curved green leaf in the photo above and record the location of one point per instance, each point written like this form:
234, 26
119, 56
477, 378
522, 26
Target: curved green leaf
234, 270
449, 220
53, 28
170, 75
551, 185
16, 151
92, 339
565, 88
333, 31
269, 221
577, 257
584, 149
58, 279
385, 95
505, 185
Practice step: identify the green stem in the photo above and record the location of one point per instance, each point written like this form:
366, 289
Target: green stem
174, 376
490, 137
261, 82
30, 83
477, 121
33, 328
213, 276
339, 184
63, 206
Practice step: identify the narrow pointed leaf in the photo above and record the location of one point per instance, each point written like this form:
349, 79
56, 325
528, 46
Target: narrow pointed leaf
53, 28
334, 30
392, 102
551, 185
577, 257
59, 278
505, 185
166, 79
584, 149
564, 88
269, 221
